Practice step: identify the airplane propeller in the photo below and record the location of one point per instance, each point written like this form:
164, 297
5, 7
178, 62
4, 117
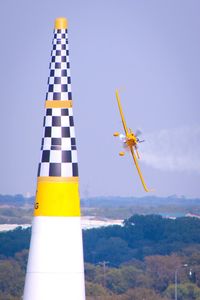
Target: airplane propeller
138, 132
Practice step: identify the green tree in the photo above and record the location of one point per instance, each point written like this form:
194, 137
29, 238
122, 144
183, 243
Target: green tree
95, 290
114, 249
161, 269
114, 281
142, 294
8, 297
22, 259
131, 276
186, 291
11, 278
90, 272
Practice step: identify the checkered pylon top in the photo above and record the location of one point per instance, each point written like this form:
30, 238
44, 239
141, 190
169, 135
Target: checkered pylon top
58, 150
59, 82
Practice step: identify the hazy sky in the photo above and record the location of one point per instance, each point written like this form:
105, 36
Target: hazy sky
148, 49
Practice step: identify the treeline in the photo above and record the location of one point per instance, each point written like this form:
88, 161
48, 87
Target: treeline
15, 200
15, 215
131, 262
139, 237
113, 202
117, 201
14, 241
150, 279
18, 209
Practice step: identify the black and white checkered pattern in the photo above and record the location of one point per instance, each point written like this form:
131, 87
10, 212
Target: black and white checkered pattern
59, 82
58, 151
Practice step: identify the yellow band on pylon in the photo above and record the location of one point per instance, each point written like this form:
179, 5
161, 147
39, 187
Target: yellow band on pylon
61, 23
58, 104
54, 198
58, 179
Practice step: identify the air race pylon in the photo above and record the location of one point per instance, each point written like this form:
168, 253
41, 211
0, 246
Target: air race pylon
55, 265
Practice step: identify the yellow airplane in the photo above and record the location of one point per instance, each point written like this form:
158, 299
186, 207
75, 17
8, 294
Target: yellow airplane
130, 142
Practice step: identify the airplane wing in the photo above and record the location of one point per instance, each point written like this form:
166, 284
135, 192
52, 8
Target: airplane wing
139, 171
121, 112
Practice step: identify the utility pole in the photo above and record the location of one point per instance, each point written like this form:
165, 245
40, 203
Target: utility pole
176, 280
103, 264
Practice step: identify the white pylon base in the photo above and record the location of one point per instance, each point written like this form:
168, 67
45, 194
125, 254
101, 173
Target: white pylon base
55, 266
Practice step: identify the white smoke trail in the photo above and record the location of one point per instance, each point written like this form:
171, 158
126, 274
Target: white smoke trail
173, 150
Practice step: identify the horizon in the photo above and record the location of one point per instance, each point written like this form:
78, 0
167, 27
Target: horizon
182, 197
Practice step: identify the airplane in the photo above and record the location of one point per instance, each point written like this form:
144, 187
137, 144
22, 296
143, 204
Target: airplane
130, 141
